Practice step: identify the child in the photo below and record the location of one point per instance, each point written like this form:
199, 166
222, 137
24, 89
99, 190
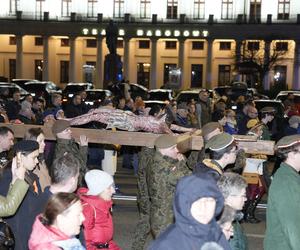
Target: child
97, 203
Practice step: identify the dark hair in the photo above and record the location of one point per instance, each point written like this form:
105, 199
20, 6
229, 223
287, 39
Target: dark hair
217, 155
154, 110
4, 131
282, 153
33, 133
38, 99
64, 168
57, 204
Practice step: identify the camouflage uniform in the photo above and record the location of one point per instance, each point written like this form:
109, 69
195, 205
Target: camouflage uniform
70, 146
142, 229
163, 176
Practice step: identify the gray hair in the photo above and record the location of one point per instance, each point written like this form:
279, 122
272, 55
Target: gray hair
231, 184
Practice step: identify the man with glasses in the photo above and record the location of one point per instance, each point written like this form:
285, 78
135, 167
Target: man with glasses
222, 150
283, 217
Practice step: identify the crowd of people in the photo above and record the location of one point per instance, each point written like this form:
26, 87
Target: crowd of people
55, 195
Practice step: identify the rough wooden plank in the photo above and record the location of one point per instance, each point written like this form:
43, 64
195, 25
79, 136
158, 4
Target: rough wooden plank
186, 142
257, 147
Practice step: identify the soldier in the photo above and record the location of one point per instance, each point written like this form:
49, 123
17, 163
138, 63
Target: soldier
66, 143
142, 229
283, 217
167, 168
222, 149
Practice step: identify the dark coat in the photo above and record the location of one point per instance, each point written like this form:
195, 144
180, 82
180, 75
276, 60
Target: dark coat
210, 167
187, 233
21, 223
12, 109
72, 110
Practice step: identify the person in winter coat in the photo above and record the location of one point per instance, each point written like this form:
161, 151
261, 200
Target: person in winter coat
57, 227
26, 153
233, 187
283, 217
97, 204
66, 143
196, 204
37, 134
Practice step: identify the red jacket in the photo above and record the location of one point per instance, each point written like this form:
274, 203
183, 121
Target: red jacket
43, 237
98, 223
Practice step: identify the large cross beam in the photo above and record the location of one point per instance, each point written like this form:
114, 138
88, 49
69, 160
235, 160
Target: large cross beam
186, 142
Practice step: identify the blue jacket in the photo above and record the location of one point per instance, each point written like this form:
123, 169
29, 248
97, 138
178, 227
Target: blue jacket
187, 233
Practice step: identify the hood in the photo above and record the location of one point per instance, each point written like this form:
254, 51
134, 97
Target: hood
93, 200
43, 236
189, 189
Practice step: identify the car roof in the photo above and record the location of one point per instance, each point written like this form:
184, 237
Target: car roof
79, 83
160, 90
286, 92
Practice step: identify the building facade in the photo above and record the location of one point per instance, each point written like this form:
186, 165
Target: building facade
54, 39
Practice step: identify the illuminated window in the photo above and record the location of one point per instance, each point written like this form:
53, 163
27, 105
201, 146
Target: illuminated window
224, 75
39, 9
172, 8
145, 8
283, 9
38, 70
255, 11
199, 9
65, 8
91, 8
118, 8
227, 8
120, 44
167, 68
12, 40
14, 6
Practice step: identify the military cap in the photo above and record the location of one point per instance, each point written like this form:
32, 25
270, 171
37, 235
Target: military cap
60, 126
287, 141
165, 141
219, 142
210, 127
26, 146
268, 110
294, 119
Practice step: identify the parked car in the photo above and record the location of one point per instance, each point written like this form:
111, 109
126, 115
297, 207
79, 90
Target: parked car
151, 103
73, 88
12, 87
96, 96
42, 89
160, 94
282, 95
187, 95
21, 82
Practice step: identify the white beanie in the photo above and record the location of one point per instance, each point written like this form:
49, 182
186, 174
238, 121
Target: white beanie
97, 181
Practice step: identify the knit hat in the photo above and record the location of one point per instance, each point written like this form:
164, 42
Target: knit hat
60, 126
219, 142
165, 141
294, 119
26, 146
97, 181
287, 141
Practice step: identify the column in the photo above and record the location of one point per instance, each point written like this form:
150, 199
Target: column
153, 70
238, 46
126, 59
99, 63
45, 58
181, 61
19, 56
296, 78
72, 67
209, 64
266, 80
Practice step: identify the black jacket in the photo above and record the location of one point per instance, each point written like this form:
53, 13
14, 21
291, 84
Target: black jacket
187, 233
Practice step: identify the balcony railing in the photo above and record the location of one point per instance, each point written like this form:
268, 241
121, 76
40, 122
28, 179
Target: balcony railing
82, 17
